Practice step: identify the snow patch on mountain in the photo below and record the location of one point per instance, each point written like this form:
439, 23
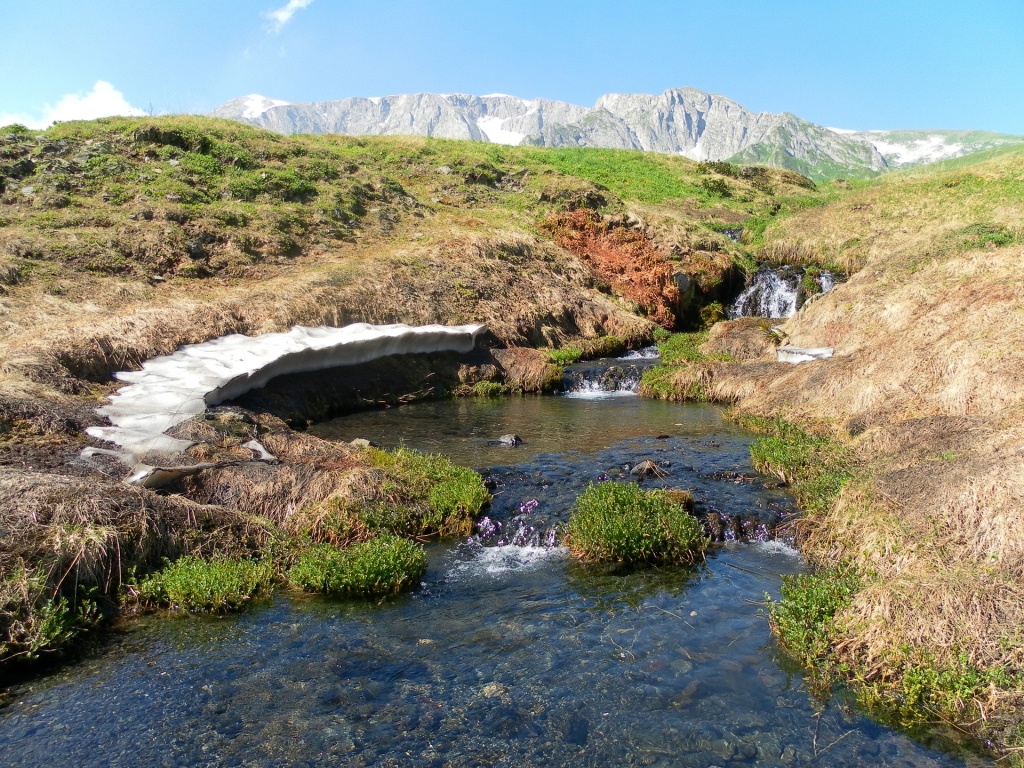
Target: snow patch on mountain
492, 129
926, 150
256, 106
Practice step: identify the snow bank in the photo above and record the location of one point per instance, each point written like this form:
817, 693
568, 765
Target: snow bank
173, 388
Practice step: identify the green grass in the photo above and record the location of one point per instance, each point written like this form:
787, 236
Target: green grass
33, 620
642, 176
385, 565
207, 586
623, 523
565, 356
488, 389
426, 494
816, 467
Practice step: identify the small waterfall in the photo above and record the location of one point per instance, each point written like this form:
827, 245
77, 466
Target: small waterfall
776, 292
604, 382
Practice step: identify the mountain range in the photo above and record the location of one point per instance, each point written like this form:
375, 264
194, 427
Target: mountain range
683, 121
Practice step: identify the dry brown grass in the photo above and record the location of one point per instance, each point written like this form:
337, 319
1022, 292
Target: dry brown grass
927, 387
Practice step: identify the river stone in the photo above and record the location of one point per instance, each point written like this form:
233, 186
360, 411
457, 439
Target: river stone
510, 440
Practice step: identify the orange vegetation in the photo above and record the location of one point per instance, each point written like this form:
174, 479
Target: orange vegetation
622, 257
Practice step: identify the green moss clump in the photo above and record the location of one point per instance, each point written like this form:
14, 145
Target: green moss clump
623, 523
207, 586
426, 494
565, 356
385, 565
488, 389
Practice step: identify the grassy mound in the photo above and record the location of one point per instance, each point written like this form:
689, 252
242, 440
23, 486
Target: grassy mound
207, 586
621, 522
382, 566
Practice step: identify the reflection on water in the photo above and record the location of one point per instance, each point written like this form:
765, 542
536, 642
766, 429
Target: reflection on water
509, 655
466, 429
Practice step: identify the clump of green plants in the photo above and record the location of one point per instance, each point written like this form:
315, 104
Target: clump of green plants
818, 468
565, 355
385, 565
811, 281
488, 389
804, 618
34, 620
623, 523
770, 332
207, 586
712, 313
423, 494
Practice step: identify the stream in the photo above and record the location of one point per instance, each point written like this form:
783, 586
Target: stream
509, 654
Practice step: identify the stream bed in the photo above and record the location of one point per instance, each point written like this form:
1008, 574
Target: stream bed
509, 654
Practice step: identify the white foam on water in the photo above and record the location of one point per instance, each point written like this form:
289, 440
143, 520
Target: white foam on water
647, 353
494, 561
777, 547
599, 394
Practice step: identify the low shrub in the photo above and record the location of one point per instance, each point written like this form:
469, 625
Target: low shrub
207, 586
382, 566
623, 523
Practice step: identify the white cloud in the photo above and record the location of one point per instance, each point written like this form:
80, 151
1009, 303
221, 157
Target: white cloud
102, 101
283, 15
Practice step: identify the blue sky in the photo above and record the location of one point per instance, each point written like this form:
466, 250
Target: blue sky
847, 64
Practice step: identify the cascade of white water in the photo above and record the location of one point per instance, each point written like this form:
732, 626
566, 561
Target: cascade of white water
774, 292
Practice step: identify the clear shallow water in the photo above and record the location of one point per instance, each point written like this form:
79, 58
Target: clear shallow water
507, 655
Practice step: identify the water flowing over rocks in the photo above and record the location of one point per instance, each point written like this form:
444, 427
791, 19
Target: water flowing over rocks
778, 292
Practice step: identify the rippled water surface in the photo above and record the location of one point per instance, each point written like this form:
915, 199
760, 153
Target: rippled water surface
509, 653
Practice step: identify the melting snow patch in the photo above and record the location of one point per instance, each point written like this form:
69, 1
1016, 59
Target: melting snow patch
256, 106
173, 388
491, 127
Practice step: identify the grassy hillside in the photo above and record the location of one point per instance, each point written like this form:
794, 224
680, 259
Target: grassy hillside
123, 239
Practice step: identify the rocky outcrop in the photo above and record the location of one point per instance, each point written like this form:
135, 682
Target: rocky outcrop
683, 121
